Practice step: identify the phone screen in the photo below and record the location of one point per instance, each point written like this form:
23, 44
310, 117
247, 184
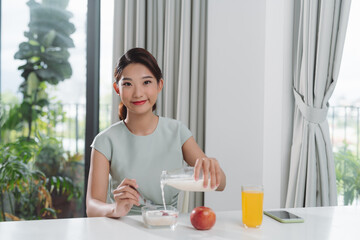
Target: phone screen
284, 215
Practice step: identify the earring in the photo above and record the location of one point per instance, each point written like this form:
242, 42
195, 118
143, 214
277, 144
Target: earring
116, 88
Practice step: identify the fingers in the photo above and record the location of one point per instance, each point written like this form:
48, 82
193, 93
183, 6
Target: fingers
212, 174
211, 169
197, 167
126, 197
217, 174
126, 191
206, 165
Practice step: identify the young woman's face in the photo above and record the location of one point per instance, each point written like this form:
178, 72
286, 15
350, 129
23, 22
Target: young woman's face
138, 88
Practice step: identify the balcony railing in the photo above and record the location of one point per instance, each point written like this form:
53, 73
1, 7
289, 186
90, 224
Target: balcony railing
344, 127
72, 130
344, 132
66, 122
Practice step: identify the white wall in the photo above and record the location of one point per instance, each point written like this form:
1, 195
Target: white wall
235, 95
248, 113
278, 101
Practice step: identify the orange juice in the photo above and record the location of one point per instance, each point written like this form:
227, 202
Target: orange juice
252, 207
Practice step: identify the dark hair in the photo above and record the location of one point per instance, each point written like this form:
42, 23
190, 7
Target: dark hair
136, 55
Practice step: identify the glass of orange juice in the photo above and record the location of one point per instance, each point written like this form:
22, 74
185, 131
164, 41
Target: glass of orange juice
252, 205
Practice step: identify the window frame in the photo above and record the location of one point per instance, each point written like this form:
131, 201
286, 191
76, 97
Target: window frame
92, 84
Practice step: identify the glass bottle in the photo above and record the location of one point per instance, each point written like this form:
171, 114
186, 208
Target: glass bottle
183, 179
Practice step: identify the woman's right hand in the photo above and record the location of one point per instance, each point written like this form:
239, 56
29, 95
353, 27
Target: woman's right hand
125, 196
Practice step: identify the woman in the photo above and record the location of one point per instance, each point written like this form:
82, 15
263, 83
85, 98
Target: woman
129, 156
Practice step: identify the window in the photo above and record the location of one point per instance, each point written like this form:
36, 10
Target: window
344, 115
43, 108
106, 65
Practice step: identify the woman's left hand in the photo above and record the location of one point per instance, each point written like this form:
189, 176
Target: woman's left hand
210, 167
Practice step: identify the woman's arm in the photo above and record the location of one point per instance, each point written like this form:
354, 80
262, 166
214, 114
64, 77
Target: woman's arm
98, 181
194, 156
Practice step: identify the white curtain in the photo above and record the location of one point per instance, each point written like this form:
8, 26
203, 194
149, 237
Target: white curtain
174, 32
320, 33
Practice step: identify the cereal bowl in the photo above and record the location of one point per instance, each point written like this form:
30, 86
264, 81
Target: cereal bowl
155, 216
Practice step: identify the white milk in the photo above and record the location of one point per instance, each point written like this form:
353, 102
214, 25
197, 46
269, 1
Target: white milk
185, 185
182, 179
188, 185
162, 193
157, 218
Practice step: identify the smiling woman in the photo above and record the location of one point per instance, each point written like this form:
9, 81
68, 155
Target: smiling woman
135, 150
138, 87
142, 64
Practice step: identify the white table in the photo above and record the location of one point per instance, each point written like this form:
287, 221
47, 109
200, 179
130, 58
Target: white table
320, 224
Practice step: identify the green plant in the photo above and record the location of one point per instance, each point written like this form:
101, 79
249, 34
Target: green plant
54, 162
30, 171
347, 168
23, 186
27, 163
46, 55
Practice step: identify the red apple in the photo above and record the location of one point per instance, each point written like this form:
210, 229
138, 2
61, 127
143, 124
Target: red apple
202, 218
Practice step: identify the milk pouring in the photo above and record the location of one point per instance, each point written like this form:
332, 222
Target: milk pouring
183, 179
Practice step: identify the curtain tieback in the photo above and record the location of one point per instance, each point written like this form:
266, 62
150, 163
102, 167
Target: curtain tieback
311, 114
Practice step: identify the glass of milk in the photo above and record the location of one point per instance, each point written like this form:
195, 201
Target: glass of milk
183, 179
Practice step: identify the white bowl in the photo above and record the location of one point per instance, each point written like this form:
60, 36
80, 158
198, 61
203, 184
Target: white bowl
155, 216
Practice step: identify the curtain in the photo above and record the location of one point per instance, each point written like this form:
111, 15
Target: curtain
175, 33
319, 39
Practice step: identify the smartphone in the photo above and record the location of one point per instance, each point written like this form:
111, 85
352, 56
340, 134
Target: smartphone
284, 216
